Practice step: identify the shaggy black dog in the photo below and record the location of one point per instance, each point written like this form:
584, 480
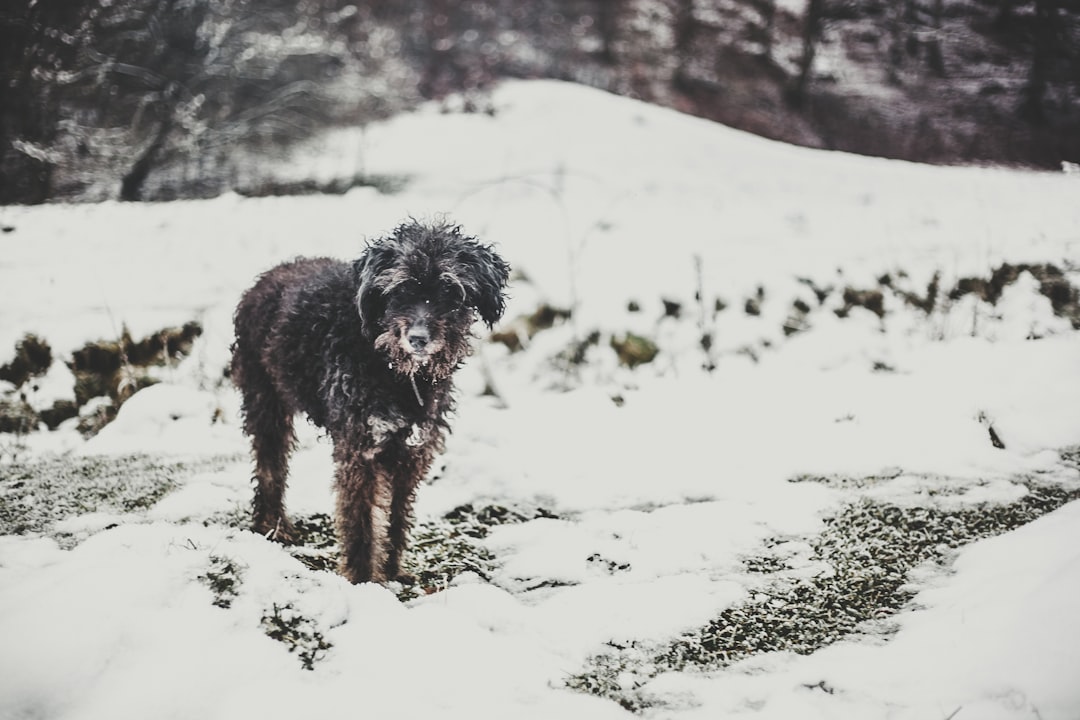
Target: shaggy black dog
367, 351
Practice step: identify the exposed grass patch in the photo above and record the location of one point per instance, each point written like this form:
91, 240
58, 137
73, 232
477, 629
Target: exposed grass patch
870, 548
36, 495
766, 564
1071, 457
848, 481
925, 302
1053, 283
118, 369
634, 350
223, 577
110, 369
618, 675
33, 357
796, 320
439, 551
16, 416
516, 333
575, 354
871, 299
299, 634
237, 516
450, 546
316, 544
1063, 296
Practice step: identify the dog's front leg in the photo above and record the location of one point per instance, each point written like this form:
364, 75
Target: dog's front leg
410, 468
364, 498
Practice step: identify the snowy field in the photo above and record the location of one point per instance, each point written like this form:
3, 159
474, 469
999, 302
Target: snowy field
612, 514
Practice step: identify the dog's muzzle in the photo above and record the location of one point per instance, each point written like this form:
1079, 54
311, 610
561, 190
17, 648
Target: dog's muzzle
417, 336
417, 339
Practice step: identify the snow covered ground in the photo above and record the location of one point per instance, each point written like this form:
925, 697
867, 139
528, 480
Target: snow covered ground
639, 494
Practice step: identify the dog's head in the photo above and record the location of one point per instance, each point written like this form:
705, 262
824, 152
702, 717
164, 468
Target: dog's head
419, 291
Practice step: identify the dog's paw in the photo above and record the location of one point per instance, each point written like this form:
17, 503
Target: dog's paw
406, 579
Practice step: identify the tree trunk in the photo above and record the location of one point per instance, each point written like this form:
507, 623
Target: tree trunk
131, 186
1043, 43
29, 105
935, 58
684, 31
607, 21
812, 26
768, 17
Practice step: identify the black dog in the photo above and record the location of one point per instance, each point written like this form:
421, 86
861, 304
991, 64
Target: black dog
367, 351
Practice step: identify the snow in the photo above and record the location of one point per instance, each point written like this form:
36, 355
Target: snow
996, 640
659, 497
159, 419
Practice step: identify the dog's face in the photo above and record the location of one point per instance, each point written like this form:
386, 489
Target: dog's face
420, 291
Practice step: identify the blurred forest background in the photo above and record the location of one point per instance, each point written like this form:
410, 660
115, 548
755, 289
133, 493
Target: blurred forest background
164, 99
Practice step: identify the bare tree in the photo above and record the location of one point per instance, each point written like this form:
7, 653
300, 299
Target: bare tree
684, 32
767, 8
608, 14
898, 31
96, 98
935, 58
1044, 48
813, 24
37, 39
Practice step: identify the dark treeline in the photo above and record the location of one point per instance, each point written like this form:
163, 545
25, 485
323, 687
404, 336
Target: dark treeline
156, 99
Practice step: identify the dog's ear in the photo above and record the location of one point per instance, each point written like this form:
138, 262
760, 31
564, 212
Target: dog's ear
486, 275
370, 302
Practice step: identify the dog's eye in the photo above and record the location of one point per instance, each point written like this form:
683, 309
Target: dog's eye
452, 291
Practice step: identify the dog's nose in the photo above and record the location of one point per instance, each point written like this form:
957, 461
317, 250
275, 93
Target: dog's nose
418, 337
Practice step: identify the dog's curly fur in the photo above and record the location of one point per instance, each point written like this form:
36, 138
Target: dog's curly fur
367, 351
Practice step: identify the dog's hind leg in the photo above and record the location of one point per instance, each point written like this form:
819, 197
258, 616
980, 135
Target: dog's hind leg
269, 424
